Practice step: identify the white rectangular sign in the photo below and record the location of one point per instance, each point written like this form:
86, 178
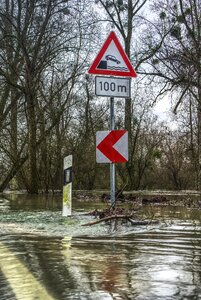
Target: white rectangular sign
112, 87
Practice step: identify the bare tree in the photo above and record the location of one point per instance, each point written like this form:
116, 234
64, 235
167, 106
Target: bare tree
178, 61
42, 45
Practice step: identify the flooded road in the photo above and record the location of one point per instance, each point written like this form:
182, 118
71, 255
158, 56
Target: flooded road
158, 262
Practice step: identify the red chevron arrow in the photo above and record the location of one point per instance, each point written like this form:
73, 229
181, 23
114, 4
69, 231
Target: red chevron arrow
106, 146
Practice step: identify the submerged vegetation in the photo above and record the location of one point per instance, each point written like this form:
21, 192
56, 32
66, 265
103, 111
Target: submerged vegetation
132, 215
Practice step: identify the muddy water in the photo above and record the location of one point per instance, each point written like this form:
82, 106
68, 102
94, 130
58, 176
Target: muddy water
158, 262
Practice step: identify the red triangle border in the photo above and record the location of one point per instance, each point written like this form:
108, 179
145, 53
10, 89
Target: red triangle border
93, 68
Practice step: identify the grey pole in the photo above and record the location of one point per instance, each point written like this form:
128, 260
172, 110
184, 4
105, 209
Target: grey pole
112, 165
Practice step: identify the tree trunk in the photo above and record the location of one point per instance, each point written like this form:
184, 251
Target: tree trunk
199, 134
128, 103
32, 145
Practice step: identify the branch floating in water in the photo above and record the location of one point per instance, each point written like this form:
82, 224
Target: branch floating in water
126, 217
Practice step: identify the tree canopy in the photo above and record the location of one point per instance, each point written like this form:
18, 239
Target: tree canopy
48, 106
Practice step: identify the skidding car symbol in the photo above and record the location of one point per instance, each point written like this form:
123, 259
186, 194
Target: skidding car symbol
113, 58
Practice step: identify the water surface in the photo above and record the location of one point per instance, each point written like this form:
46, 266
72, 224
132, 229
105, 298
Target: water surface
149, 262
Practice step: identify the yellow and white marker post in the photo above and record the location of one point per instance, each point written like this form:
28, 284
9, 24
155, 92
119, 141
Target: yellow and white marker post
67, 188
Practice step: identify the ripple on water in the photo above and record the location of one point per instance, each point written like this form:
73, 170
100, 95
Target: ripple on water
155, 263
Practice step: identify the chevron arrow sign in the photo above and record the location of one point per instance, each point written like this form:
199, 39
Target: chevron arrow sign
111, 146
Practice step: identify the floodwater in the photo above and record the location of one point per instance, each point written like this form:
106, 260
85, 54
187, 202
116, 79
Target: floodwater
158, 262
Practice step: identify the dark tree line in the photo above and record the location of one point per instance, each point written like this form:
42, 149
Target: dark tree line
47, 104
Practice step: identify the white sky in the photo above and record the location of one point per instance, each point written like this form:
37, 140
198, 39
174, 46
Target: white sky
163, 109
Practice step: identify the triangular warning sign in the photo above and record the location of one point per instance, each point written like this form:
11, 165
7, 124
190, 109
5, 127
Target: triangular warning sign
112, 60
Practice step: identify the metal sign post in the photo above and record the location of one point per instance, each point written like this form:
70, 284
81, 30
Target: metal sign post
113, 61
67, 188
112, 165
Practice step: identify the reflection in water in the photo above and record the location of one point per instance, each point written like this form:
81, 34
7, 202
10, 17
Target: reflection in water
159, 264
22, 283
33, 202
44, 202
145, 266
4, 204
